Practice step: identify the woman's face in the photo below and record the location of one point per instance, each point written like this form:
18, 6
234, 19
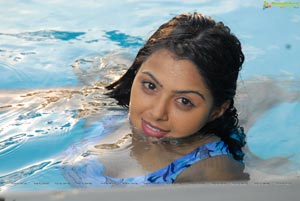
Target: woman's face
169, 98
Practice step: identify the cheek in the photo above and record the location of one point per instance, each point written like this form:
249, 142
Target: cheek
139, 101
190, 123
189, 126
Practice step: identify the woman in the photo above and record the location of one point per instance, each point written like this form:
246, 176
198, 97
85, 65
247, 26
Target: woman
180, 93
180, 90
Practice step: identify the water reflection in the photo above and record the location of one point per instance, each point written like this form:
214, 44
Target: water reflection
67, 125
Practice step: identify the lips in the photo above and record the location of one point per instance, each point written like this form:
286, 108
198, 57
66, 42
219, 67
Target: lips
153, 130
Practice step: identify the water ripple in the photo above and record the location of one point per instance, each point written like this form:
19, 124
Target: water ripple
102, 69
29, 115
11, 143
18, 175
124, 40
10, 75
46, 35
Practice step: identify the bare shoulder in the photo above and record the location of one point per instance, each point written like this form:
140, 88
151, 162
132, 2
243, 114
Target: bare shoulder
218, 168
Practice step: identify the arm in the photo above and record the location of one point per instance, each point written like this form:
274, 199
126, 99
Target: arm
218, 168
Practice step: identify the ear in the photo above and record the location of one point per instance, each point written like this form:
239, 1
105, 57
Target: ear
219, 111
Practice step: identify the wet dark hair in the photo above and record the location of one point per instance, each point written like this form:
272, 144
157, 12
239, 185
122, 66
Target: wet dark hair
215, 51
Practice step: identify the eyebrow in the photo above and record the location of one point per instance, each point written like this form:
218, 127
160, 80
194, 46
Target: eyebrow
175, 91
153, 77
190, 92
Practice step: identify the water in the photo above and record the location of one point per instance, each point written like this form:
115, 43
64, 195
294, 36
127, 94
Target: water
56, 56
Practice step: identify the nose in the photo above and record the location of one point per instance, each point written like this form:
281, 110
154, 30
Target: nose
159, 109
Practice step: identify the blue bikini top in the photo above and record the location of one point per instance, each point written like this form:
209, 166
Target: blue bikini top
91, 173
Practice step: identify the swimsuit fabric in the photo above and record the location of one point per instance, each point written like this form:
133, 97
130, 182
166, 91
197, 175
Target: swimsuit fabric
91, 173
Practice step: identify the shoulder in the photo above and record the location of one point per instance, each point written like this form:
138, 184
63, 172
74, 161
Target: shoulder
218, 168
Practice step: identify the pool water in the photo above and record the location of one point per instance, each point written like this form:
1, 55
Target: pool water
56, 57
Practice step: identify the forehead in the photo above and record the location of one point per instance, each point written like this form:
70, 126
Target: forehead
166, 66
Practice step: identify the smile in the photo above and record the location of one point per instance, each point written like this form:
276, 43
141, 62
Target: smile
152, 130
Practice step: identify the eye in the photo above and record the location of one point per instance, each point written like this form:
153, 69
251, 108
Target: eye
149, 85
184, 102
